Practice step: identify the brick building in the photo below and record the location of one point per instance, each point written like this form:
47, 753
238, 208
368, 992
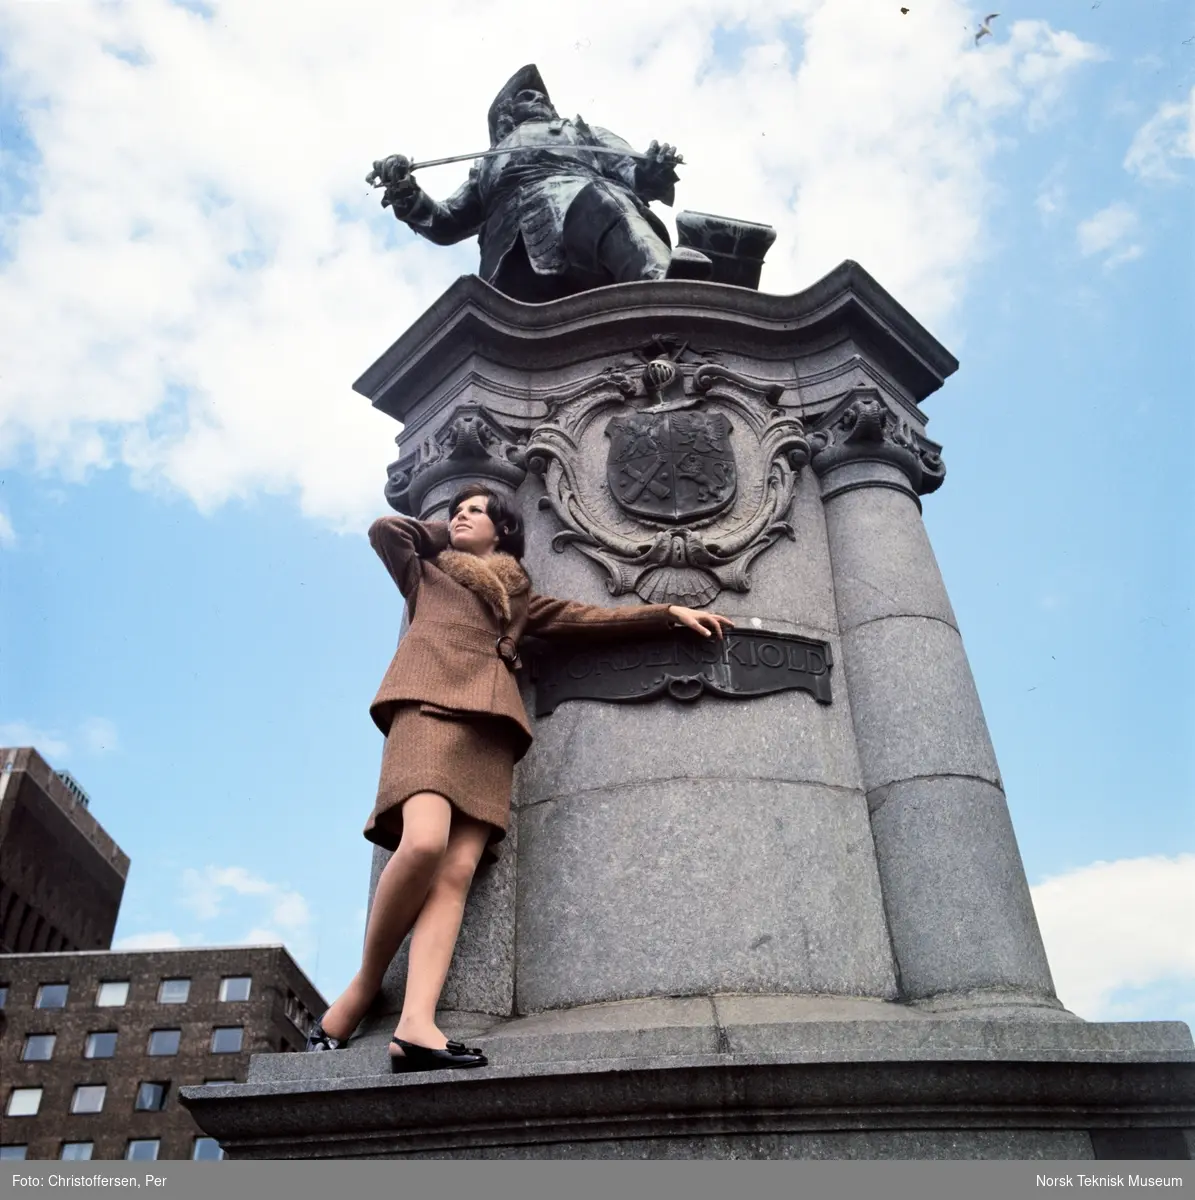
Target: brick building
61, 876
95, 1045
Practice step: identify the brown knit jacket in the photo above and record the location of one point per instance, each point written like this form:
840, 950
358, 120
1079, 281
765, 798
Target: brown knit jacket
467, 617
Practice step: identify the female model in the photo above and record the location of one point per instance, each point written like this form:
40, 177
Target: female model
455, 726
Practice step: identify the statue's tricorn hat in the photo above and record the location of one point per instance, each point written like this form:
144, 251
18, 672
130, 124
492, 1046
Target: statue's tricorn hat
503, 105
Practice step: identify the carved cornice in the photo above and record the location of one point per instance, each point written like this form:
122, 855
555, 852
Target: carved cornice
473, 319
472, 444
821, 391
864, 429
674, 558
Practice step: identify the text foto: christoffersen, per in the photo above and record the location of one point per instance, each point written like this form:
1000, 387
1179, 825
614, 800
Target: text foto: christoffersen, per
101, 1181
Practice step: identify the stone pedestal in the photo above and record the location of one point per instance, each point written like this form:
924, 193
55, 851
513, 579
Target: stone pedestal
780, 925
733, 1077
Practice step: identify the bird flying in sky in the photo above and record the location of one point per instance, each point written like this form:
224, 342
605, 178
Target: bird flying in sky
986, 27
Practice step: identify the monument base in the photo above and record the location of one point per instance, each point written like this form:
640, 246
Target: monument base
732, 1077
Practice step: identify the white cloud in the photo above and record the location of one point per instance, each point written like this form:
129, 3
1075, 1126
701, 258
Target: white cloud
261, 935
8, 535
159, 940
204, 891
1167, 136
290, 911
1044, 57
1120, 926
269, 912
199, 270
48, 744
1110, 232
99, 735
1050, 199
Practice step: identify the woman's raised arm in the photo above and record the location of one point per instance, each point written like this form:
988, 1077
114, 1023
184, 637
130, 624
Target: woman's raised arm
401, 542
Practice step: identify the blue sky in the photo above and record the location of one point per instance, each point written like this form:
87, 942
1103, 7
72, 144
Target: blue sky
192, 273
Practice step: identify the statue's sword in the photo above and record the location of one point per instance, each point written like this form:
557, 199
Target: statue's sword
455, 158
373, 178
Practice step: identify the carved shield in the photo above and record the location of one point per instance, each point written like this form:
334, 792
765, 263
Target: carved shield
671, 466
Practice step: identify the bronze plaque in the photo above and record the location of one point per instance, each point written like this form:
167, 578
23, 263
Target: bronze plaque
745, 663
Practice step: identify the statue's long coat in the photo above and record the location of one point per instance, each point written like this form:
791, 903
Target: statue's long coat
529, 191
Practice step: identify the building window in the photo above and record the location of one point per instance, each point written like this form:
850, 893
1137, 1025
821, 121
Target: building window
39, 1047
74, 787
13, 1152
23, 1102
227, 1039
207, 1150
52, 995
100, 1045
76, 1151
142, 1148
297, 1014
151, 1097
113, 994
89, 1098
235, 987
4, 1002
164, 1042
174, 991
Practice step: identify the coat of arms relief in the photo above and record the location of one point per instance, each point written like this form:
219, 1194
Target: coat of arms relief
673, 479
671, 466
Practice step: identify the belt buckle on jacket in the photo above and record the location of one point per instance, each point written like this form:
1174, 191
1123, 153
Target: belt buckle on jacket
508, 652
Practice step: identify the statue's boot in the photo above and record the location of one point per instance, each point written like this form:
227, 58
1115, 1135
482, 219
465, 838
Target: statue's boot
630, 249
687, 263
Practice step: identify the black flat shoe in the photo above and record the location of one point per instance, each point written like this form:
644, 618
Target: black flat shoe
319, 1039
421, 1058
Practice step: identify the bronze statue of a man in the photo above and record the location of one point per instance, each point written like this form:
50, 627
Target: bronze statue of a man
553, 216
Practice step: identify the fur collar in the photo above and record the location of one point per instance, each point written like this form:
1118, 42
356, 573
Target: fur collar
494, 580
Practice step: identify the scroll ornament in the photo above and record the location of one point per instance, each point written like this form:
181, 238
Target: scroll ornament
865, 428
473, 444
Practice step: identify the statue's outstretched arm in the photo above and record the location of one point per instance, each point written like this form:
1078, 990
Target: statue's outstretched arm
441, 221
447, 221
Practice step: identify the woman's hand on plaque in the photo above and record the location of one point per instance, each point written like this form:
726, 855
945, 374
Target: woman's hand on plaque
705, 623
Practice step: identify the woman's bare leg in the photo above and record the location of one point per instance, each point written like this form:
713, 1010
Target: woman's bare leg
436, 928
402, 888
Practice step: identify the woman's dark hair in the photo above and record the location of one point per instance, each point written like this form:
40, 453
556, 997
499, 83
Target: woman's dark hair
507, 522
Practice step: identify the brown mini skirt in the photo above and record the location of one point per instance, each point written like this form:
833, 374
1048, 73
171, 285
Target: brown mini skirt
466, 757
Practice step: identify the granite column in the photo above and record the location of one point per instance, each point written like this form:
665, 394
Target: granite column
964, 933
